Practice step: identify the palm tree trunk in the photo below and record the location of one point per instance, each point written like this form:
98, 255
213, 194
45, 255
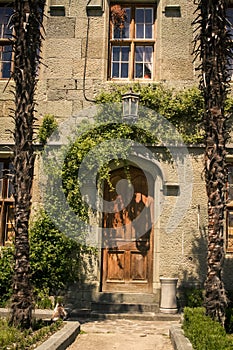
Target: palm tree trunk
212, 47
26, 46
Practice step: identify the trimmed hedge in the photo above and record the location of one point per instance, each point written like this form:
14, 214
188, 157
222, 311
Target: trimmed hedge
203, 332
193, 297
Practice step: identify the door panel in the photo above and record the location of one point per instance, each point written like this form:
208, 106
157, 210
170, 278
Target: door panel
138, 264
128, 232
116, 265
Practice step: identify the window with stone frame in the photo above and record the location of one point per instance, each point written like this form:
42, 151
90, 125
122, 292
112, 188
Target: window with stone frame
229, 14
6, 12
6, 202
132, 41
229, 210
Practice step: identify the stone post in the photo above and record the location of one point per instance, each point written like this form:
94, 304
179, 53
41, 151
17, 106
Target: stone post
168, 302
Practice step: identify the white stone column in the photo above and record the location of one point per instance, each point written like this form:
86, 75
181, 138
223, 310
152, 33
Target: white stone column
168, 302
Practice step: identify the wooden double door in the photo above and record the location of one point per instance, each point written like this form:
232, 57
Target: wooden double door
127, 252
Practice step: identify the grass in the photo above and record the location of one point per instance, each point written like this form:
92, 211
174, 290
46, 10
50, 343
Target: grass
13, 338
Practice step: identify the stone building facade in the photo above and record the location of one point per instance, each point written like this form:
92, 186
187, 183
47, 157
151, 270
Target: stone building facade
82, 54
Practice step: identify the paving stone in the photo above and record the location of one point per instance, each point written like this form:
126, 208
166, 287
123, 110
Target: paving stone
122, 333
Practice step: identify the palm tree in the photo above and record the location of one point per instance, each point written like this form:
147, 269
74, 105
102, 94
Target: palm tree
212, 47
26, 20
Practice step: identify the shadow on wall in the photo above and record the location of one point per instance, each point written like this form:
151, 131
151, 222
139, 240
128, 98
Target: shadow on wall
190, 291
228, 276
192, 274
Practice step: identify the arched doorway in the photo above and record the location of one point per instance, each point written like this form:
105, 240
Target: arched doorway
127, 254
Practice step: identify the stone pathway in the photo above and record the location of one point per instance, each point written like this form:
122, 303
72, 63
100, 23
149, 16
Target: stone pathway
123, 334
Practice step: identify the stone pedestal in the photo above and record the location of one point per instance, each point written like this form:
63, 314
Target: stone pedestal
168, 302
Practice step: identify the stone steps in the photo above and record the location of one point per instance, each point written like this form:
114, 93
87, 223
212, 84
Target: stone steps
120, 305
82, 314
105, 305
108, 308
131, 298
125, 305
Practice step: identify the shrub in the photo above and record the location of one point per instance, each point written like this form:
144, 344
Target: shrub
6, 268
48, 126
43, 300
56, 260
203, 332
229, 320
193, 297
13, 338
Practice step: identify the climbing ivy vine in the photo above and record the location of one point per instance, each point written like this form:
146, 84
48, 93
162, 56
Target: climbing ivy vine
89, 142
183, 109
47, 127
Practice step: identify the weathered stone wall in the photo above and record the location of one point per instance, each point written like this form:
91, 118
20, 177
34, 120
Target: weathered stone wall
76, 47
74, 70
183, 250
6, 107
75, 56
174, 43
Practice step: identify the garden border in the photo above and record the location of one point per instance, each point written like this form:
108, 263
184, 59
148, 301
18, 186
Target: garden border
62, 338
66, 336
178, 339
59, 340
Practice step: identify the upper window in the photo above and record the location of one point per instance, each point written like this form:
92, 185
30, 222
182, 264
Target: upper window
229, 14
6, 203
5, 42
229, 210
132, 40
